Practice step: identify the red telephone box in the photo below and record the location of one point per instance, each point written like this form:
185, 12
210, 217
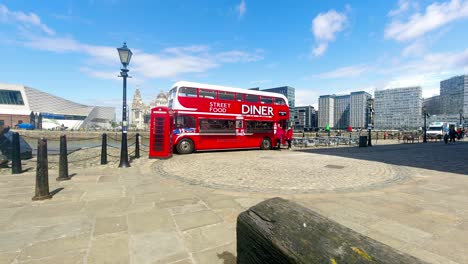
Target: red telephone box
161, 127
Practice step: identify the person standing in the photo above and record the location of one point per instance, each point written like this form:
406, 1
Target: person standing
279, 136
289, 136
452, 134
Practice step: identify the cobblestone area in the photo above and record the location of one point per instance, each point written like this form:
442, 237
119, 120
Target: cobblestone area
279, 171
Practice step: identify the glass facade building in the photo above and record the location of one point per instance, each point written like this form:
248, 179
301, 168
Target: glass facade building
305, 118
398, 108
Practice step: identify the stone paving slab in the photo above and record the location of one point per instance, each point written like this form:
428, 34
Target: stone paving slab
144, 215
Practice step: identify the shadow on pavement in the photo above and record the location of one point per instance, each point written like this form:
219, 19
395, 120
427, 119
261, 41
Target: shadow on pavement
432, 156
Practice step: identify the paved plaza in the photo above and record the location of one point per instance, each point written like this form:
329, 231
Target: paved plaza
413, 197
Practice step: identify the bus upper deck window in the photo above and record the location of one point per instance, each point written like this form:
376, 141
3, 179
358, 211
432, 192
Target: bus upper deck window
266, 100
239, 97
225, 95
251, 98
188, 92
209, 94
279, 101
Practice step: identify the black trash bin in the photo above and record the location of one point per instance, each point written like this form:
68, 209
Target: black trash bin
362, 141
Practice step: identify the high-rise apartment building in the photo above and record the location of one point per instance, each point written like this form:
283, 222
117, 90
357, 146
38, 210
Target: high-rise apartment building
304, 118
358, 110
326, 111
398, 108
452, 101
341, 111
290, 94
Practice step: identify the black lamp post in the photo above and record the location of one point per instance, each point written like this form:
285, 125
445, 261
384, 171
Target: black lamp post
125, 55
426, 115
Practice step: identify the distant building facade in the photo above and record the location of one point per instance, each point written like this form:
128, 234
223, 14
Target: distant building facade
359, 110
141, 111
305, 118
326, 105
290, 94
452, 94
341, 111
398, 108
452, 102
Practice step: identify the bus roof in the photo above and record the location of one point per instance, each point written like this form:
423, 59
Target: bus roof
228, 89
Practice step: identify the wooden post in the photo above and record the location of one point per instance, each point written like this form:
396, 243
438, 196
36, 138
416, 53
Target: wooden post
42, 172
279, 231
104, 149
16, 155
63, 161
137, 145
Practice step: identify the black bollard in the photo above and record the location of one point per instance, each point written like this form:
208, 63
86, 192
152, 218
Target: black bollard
42, 172
137, 145
16, 155
63, 162
104, 149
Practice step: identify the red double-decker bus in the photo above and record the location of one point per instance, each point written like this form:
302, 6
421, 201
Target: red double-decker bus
211, 117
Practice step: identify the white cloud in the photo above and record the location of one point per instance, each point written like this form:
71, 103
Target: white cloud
320, 49
435, 16
24, 20
241, 8
307, 96
345, 72
404, 6
238, 56
415, 49
170, 62
325, 26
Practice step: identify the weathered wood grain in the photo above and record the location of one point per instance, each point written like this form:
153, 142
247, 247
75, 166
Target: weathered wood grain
280, 231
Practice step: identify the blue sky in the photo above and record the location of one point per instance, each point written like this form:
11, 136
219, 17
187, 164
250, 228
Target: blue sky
68, 48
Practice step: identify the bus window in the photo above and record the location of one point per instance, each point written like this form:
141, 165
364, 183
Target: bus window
239, 97
225, 95
183, 121
259, 127
266, 100
188, 92
251, 98
279, 101
217, 126
209, 94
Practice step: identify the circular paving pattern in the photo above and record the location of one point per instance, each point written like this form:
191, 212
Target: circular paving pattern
278, 171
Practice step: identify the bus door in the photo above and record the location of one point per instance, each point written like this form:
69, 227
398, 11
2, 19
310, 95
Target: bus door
161, 128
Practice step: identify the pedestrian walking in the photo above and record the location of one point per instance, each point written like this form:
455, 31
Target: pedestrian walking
289, 136
452, 134
279, 136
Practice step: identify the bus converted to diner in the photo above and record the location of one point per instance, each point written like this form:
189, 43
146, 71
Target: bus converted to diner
211, 117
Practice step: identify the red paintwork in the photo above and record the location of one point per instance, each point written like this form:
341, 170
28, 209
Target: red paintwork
161, 127
227, 110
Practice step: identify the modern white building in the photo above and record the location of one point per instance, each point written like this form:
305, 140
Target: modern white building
22, 104
326, 105
358, 110
398, 108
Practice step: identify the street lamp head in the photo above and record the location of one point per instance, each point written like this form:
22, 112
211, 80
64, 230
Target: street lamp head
125, 55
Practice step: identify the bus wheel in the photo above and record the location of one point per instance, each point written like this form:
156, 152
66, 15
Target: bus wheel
185, 146
266, 144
